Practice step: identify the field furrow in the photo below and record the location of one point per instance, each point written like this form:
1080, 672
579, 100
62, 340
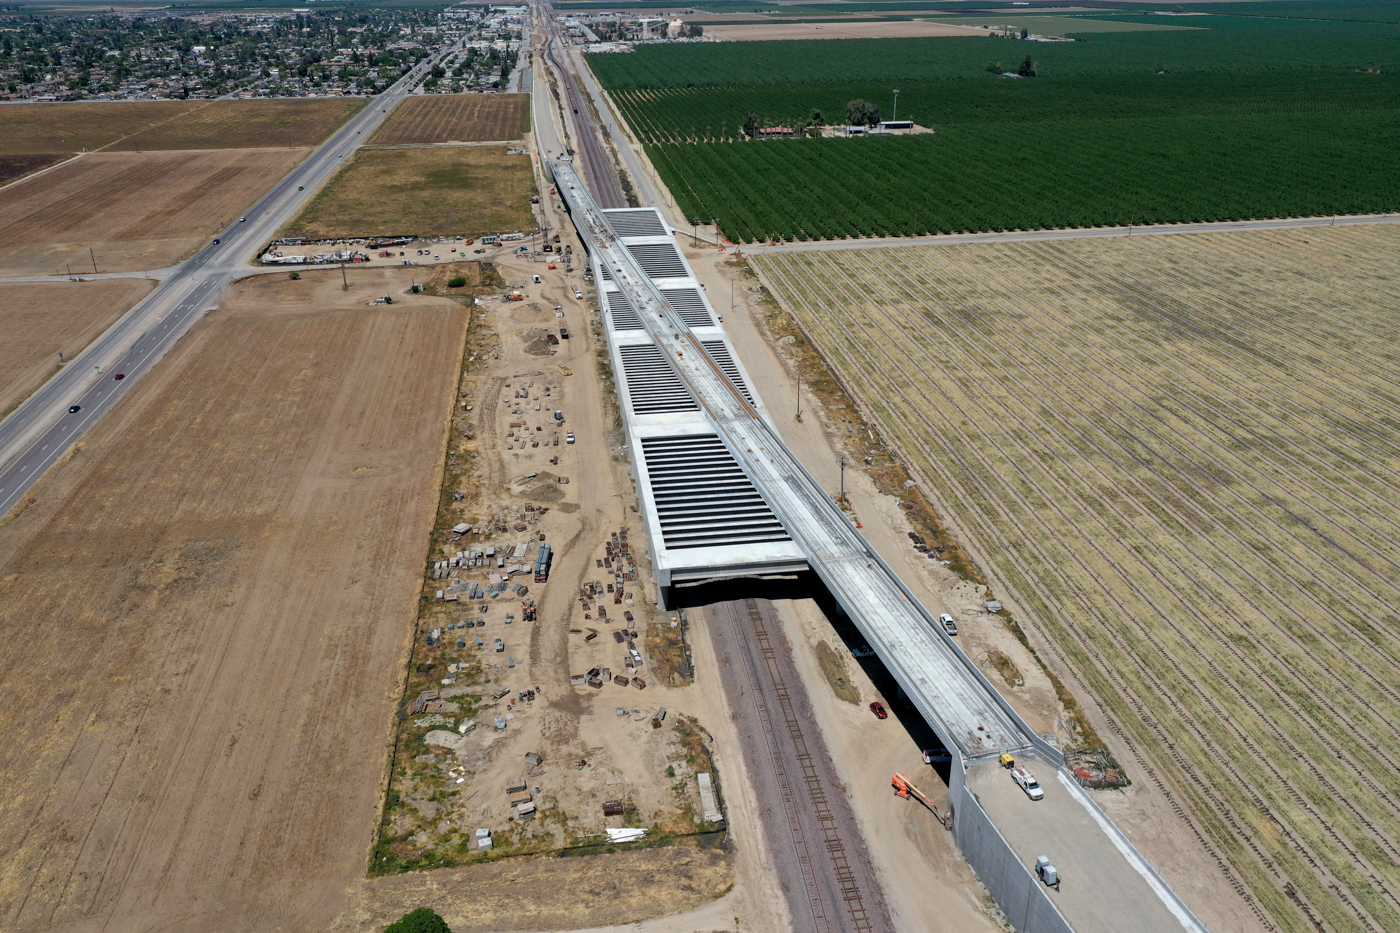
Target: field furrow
1178, 457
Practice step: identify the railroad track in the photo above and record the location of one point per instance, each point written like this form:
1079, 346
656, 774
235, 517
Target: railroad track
815, 820
603, 181
844, 300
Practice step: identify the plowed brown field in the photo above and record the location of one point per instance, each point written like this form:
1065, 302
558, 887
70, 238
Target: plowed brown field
248, 124
462, 118
33, 129
13, 168
42, 319
205, 614
1178, 458
134, 210
30, 129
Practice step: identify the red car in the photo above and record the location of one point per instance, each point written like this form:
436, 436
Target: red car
878, 709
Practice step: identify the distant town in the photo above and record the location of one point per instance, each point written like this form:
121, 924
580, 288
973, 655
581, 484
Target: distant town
170, 55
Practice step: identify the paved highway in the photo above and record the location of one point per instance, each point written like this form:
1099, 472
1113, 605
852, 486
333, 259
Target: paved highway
42, 429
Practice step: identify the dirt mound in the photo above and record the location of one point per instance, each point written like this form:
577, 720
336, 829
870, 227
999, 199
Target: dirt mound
537, 342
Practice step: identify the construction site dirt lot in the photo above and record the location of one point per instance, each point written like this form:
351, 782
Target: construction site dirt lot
447, 118
1173, 459
426, 192
491, 677
41, 320
206, 612
131, 211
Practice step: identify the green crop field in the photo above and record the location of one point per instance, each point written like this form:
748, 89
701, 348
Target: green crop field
1046, 175
1258, 118
1253, 45
691, 114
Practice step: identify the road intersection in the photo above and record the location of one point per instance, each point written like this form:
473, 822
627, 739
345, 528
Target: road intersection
41, 430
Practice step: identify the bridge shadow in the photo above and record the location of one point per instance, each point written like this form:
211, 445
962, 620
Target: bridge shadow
808, 585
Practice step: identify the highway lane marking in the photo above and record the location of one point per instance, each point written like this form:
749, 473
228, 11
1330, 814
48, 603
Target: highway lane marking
314, 169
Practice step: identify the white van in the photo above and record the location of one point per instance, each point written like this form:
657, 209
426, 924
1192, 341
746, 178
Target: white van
536, 278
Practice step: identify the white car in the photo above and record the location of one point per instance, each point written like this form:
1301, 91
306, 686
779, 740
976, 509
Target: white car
569, 438
1028, 783
949, 625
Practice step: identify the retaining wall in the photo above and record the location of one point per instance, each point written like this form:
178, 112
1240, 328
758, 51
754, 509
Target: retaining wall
1019, 893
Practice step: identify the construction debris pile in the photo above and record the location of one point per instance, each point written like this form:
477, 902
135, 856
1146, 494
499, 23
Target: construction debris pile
521, 432
594, 598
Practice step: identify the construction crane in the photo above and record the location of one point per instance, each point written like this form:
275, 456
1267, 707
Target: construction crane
905, 788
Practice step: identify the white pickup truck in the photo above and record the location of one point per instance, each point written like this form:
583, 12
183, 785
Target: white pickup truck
1028, 783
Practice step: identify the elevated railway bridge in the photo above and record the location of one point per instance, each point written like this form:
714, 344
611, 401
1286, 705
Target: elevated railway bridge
724, 496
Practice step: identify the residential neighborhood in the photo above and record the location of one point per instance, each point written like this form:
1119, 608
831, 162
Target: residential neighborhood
169, 55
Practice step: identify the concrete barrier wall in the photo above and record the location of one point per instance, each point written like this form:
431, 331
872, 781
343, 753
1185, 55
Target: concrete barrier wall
1018, 892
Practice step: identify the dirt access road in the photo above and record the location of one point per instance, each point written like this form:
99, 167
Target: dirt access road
206, 612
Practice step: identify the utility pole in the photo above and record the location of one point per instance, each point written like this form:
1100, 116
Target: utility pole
799, 396
842, 462
94, 260
895, 116
344, 282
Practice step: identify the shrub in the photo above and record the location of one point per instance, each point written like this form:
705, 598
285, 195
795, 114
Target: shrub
422, 920
294, 276
459, 281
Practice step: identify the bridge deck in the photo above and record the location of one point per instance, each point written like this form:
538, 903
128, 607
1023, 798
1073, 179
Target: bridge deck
955, 698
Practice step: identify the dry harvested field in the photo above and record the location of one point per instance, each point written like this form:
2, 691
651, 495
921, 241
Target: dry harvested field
248, 124
206, 612
461, 118
136, 211
875, 29
1177, 458
427, 192
41, 129
610, 890
16, 167
42, 319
